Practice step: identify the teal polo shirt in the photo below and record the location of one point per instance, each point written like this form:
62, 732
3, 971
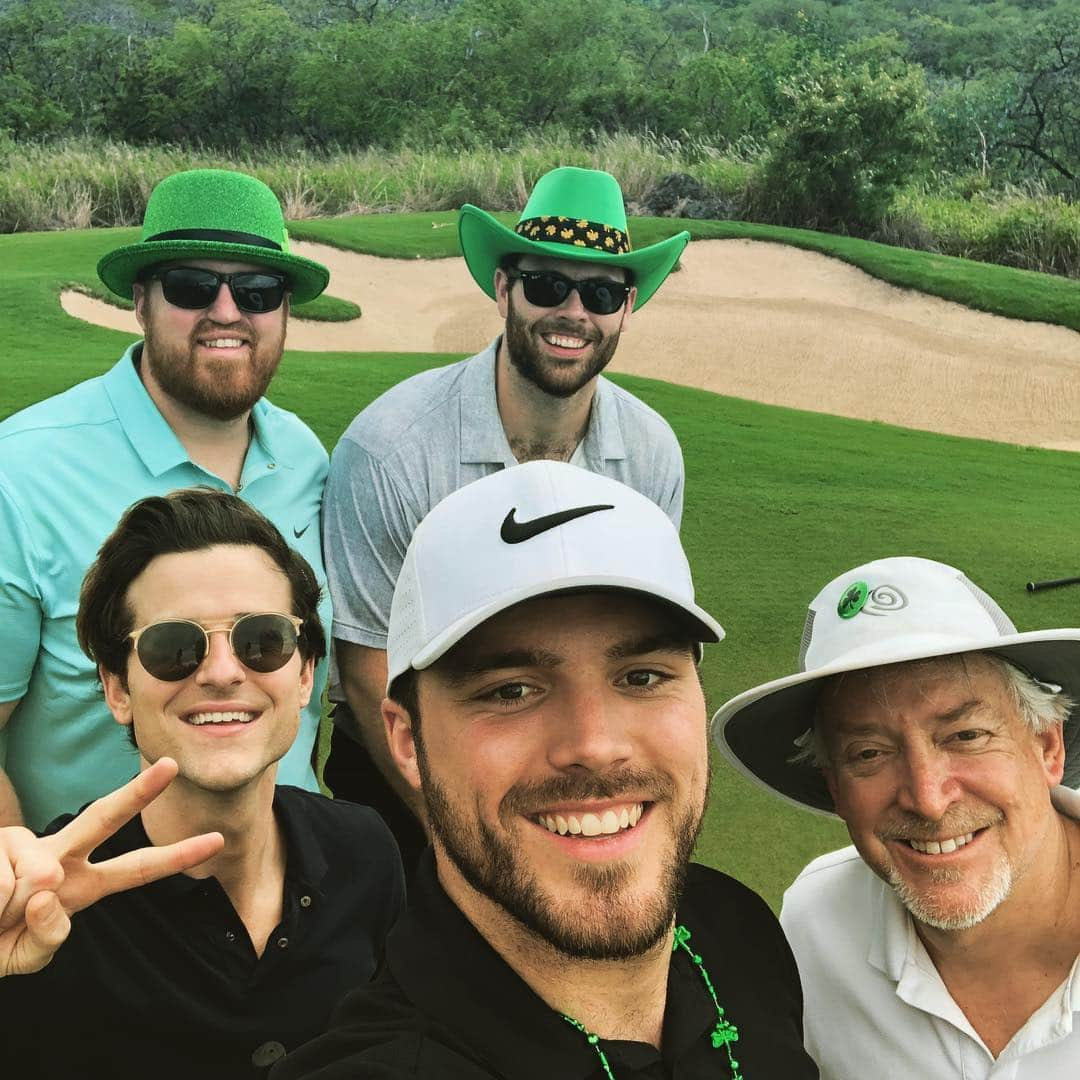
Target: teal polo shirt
69, 467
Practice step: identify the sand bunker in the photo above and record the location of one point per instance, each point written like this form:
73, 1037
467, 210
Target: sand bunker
760, 321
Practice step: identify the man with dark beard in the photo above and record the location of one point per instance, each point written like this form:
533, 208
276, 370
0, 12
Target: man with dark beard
566, 281
544, 700
212, 279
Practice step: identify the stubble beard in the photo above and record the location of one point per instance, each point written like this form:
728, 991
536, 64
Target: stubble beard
217, 390
531, 364
927, 908
626, 927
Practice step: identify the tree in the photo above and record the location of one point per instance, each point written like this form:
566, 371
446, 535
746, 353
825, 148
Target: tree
852, 137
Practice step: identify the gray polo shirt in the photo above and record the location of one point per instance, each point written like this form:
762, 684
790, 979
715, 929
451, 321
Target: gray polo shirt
437, 432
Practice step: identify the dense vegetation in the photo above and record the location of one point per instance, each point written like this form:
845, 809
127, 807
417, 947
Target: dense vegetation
863, 116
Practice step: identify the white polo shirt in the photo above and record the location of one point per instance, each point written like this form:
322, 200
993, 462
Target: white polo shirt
875, 1005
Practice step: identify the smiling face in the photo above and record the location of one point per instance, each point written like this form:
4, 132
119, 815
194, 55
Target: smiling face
560, 349
216, 361
226, 725
944, 789
564, 766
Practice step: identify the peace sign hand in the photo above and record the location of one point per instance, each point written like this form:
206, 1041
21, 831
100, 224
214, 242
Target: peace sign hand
45, 880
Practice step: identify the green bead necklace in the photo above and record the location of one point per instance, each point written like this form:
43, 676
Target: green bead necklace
723, 1035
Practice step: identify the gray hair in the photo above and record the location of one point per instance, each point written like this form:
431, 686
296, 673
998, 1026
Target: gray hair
1040, 705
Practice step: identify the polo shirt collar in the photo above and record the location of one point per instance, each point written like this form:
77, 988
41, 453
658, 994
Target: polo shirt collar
449, 971
483, 439
305, 863
148, 432
146, 429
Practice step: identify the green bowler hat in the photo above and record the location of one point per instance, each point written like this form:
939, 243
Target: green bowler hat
213, 214
571, 214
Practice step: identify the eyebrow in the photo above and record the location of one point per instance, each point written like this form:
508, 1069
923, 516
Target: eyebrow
475, 666
651, 643
951, 717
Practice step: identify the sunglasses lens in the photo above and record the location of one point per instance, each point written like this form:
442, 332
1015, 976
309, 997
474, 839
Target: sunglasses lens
194, 288
189, 287
601, 297
257, 292
264, 642
546, 290
171, 651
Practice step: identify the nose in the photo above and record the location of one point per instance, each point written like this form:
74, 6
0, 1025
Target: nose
927, 785
224, 309
572, 305
591, 733
220, 667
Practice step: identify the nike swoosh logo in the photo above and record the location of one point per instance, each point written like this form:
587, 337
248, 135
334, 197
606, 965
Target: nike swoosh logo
517, 532
300, 532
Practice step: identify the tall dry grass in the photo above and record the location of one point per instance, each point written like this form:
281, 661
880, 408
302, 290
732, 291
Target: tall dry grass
83, 183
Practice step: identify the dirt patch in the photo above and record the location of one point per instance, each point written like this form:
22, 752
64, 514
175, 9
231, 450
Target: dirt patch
761, 321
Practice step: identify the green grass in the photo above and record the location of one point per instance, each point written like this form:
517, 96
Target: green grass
778, 502
1000, 290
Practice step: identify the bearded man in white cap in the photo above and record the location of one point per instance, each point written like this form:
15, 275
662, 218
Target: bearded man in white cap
945, 943
544, 700
566, 281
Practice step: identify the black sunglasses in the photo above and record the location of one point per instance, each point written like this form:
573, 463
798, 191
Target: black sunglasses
193, 287
546, 288
172, 650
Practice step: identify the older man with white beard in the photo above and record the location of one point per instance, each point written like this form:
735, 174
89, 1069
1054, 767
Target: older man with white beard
946, 942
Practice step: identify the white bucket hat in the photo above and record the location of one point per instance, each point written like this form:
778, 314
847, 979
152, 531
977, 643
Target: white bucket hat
885, 612
532, 530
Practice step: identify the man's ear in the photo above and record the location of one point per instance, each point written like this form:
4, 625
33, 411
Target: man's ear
138, 295
116, 696
628, 308
503, 285
307, 681
399, 735
1052, 749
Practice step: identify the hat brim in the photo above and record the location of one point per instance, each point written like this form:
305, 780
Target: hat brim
486, 241
700, 621
756, 731
118, 269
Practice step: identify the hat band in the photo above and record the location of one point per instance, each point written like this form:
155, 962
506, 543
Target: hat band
214, 236
575, 232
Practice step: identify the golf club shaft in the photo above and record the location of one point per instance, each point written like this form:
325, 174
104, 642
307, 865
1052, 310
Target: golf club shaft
1037, 586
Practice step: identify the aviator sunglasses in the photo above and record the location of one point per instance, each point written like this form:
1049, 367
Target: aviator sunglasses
546, 288
194, 287
173, 649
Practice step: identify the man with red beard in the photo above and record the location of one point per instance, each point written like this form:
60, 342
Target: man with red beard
945, 943
566, 281
212, 278
544, 701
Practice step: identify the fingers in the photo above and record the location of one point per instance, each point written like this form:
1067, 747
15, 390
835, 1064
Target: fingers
27, 866
102, 818
29, 947
143, 866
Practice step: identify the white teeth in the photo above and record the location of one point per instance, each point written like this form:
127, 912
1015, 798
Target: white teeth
936, 847
611, 821
223, 343
221, 718
565, 342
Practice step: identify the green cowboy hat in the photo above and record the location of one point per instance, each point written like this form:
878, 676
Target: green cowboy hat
571, 214
213, 214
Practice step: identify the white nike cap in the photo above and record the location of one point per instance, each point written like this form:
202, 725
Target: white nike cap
532, 530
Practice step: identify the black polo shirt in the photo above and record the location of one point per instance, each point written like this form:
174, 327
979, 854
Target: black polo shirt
447, 1007
163, 981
